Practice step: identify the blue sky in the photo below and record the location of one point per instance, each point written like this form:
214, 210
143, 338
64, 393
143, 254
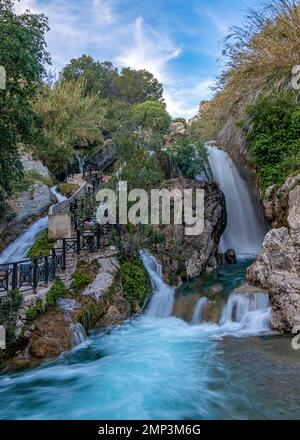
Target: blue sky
178, 41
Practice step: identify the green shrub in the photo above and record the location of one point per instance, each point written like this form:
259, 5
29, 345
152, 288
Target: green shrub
274, 139
10, 304
135, 281
67, 189
191, 157
57, 290
42, 246
84, 275
33, 311
80, 281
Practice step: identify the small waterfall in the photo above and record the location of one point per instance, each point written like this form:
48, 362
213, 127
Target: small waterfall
245, 230
251, 311
77, 330
80, 161
78, 333
161, 303
197, 317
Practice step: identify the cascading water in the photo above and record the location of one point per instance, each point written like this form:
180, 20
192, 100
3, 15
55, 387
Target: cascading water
80, 161
198, 312
247, 313
245, 231
18, 249
77, 330
161, 304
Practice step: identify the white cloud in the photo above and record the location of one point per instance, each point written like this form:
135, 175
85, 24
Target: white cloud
22, 5
149, 50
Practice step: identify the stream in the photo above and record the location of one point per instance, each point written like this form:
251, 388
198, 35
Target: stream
217, 358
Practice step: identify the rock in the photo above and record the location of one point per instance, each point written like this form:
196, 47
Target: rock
230, 256
191, 255
277, 267
31, 203
36, 166
117, 313
214, 290
52, 335
109, 267
178, 128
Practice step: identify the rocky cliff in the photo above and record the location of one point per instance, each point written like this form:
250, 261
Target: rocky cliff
277, 267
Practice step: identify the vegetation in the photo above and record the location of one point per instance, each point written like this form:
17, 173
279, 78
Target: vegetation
191, 157
42, 246
152, 115
23, 54
33, 311
28, 180
56, 291
70, 119
135, 281
67, 189
84, 275
274, 139
9, 307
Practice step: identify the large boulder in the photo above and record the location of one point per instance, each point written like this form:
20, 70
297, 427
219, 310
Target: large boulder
277, 267
188, 256
36, 166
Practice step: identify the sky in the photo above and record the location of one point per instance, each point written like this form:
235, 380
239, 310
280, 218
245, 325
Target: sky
179, 41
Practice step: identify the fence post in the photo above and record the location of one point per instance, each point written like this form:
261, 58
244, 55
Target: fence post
46, 264
14, 283
64, 255
78, 242
53, 264
35, 275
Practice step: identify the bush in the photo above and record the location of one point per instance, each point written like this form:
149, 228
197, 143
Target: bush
33, 311
9, 307
191, 157
135, 281
84, 275
57, 290
274, 139
67, 189
42, 246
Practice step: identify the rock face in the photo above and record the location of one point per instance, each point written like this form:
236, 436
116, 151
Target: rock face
188, 256
35, 166
25, 207
277, 267
177, 131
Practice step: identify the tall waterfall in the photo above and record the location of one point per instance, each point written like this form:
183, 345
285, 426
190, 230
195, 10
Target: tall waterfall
161, 304
19, 248
245, 230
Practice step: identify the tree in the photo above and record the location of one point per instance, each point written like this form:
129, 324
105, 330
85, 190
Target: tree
70, 120
152, 115
23, 55
100, 78
191, 157
139, 86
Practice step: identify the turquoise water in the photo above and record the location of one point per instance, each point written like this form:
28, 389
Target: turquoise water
152, 368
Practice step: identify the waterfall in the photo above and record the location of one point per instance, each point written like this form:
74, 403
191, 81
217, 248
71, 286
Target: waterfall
80, 163
19, 248
77, 330
198, 312
251, 312
245, 231
161, 303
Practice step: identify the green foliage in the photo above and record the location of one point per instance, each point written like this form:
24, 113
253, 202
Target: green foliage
70, 120
274, 139
67, 189
10, 304
152, 115
22, 53
179, 120
102, 78
42, 246
135, 281
191, 157
84, 275
57, 290
33, 311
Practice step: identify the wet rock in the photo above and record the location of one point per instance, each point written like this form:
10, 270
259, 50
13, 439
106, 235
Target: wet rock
118, 312
230, 256
52, 335
214, 290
